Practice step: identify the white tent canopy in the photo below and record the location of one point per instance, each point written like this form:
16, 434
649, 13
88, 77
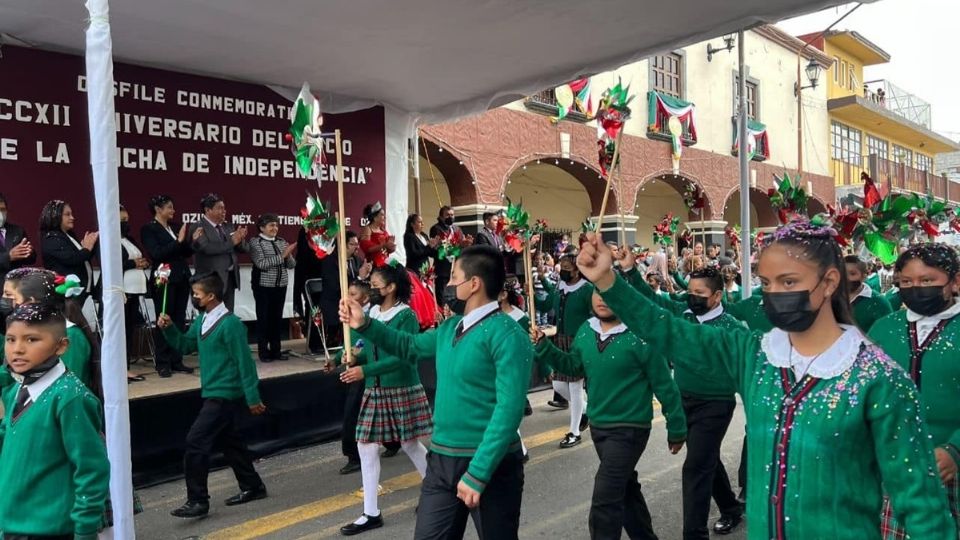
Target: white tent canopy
426, 60
442, 59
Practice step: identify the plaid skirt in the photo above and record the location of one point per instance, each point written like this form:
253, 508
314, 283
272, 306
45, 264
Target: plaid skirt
563, 343
394, 414
891, 529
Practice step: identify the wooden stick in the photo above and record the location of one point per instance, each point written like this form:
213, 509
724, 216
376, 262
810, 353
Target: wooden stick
342, 249
528, 268
606, 191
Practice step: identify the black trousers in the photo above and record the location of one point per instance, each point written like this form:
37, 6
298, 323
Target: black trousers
216, 427
230, 290
618, 504
742, 471
703, 472
132, 319
442, 516
178, 294
440, 283
269, 319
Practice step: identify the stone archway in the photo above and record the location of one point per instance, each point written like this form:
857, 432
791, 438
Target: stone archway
761, 212
660, 194
563, 191
451, 180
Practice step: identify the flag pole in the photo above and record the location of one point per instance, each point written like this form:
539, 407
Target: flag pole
528, 263
342, 251
606, 192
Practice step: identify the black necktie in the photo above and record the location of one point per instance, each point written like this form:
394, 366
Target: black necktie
23, 396
460, 331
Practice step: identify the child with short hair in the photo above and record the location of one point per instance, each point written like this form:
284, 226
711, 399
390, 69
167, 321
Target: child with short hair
53, 463
228, 386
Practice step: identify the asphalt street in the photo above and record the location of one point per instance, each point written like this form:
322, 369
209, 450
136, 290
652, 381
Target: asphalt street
310, 500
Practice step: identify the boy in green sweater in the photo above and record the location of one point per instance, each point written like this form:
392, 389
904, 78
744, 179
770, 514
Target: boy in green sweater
923, 340
53, 463
619, 365
868, 306
483, 368
228, 386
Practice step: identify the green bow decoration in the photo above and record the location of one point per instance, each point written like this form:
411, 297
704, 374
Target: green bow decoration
70, 286
304, 134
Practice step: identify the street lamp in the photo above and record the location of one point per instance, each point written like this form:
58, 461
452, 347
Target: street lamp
727, 46
813, 75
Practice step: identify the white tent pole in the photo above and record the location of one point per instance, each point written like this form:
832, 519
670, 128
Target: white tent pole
103, 144
745, 245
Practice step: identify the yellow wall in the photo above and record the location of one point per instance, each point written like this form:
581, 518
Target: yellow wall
839, 76
839, 169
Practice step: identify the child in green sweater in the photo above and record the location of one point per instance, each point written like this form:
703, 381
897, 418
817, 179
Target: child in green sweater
923, 340
394, 407
619, 365
483, 369
868, 305
831, 420
53, 463
228, 386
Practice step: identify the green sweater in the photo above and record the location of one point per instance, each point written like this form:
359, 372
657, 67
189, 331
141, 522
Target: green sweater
388, 370
751, 312
939, 374
844, 438
868, 310
572, 309
691, 383
619, 367
482, 380
893, 298
227, 369
53, 463
873, 281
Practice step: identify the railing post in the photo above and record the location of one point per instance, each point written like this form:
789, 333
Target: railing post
873, 166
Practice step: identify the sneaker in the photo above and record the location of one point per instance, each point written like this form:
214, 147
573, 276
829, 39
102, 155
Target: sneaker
570, 440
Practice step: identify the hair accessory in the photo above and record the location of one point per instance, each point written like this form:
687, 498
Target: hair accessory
68, 286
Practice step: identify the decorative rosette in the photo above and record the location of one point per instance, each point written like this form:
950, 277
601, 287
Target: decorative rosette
316, 316
304, 135
955, 219
320, 225
664, 231
787, 197
451, 244
68, 286
613, 111
871, 195
515, 227
427, 274
687, 236
733, 235
162, 274
694, 198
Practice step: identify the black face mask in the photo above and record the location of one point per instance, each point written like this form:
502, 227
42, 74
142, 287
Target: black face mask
196, 304
124, 228
698, 304
610, 319
855, 285
924, 301
790, 311
456, 305
6, 307
448, 221
566, 275
375, 297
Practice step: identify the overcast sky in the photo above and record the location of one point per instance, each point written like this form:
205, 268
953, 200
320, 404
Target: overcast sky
920, 36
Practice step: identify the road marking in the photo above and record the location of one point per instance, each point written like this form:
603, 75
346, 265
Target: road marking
287, 518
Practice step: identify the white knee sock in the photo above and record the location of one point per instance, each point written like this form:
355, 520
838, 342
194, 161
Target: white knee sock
417, 454
576, 405
562, 388
370, 471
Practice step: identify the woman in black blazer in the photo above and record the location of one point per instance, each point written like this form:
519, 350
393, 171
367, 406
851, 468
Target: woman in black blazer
417, 244
164, 246
62, 252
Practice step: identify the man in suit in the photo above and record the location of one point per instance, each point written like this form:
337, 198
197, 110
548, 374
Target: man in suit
216, 248
15, 248
442, 266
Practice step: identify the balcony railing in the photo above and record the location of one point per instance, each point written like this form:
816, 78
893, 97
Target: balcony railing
889, 96
545, 102
894, 176
663, 134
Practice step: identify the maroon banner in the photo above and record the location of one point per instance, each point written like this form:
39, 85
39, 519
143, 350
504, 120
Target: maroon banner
177, 134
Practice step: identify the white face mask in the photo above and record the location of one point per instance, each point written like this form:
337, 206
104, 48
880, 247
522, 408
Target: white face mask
3, 219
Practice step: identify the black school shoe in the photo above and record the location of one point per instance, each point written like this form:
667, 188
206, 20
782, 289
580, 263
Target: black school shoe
527, 409
350, 467
180, 368
570, 440
192, 509
373, 522
584, 422
247, 496
727, 524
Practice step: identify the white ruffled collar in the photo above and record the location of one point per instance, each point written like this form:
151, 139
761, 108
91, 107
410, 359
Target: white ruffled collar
595, 326
386, 316
831, 363
567, 289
